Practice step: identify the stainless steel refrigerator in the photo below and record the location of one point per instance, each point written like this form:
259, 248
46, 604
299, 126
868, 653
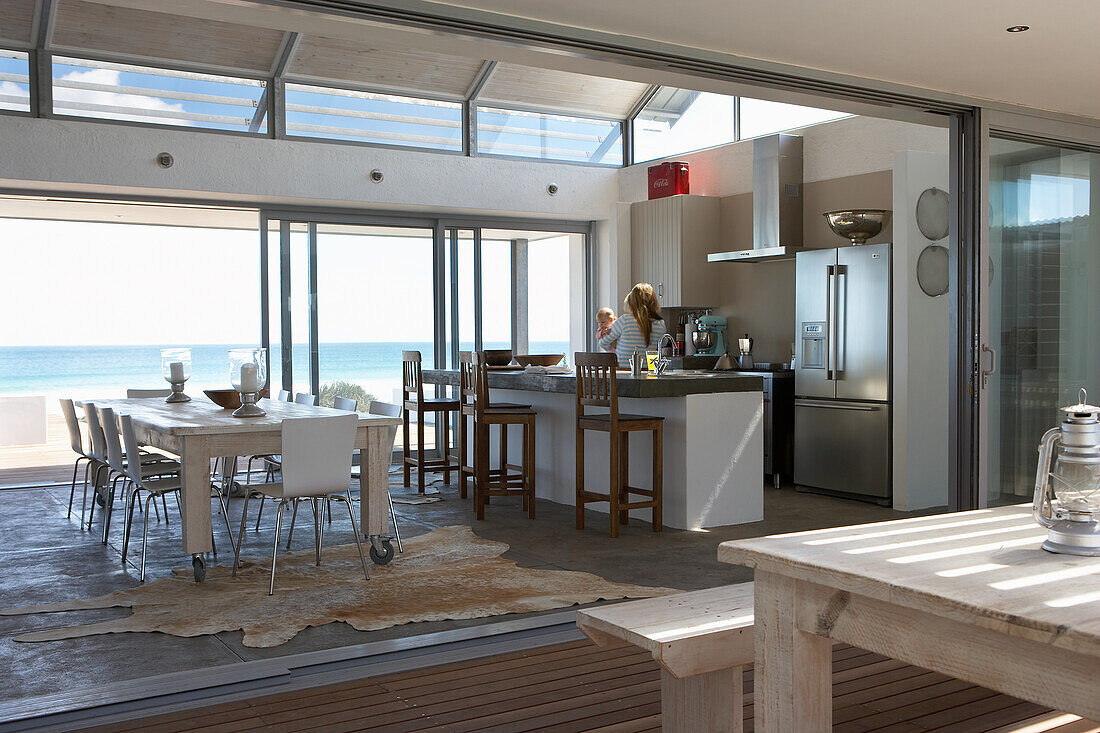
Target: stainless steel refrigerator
842, 371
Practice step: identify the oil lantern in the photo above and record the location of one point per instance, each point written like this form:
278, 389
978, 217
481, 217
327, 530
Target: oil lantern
1067, 493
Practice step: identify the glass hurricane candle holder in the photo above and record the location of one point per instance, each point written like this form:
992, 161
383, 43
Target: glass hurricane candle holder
248, 375
175, 367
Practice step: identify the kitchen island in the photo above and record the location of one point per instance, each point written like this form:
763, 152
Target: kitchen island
713, 441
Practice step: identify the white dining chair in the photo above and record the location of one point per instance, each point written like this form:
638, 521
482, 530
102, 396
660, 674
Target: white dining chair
153, 486
338, 403
273, 463
142, 394
344, 403
118, 465
97, 450
304, 398
316, 465
76, 441
284, 395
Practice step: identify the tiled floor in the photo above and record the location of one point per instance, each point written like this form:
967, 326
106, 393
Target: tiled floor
47, 557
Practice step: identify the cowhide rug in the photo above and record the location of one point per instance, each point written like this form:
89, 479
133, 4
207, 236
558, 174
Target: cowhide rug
449, 573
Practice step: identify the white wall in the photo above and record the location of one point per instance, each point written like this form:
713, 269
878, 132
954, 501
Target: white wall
77, 155
921, 338
845, 147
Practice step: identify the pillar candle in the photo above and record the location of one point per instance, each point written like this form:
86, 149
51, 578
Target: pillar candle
175, 371
249, 382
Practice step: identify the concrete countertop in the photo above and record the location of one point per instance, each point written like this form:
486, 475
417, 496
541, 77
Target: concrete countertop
780, 374
629, 385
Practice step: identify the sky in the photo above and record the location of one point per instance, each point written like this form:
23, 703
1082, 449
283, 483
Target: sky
94, 283
709, 121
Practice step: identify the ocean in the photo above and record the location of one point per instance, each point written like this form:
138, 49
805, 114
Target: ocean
107, 371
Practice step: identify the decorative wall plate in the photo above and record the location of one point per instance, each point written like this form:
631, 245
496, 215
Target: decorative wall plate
934, 214
932, 270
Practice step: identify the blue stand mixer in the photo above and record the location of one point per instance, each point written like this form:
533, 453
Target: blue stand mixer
709, 337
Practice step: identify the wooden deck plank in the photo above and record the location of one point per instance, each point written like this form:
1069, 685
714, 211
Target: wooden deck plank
579, 687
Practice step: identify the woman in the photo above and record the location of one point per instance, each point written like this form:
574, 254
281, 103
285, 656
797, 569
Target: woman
639, 327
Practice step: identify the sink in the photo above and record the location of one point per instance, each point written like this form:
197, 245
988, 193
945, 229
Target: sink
682, 375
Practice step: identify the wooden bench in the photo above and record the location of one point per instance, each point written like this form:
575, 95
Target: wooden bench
701, 639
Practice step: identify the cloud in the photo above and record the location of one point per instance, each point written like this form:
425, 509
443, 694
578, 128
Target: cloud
64, 96
12, 89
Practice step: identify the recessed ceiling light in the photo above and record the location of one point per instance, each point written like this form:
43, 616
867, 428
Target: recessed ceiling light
1017, 28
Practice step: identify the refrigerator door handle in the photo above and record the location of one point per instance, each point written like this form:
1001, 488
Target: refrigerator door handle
835, 406
829, 322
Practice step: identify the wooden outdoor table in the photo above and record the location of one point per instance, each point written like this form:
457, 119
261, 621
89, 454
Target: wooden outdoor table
198, 431
970, 595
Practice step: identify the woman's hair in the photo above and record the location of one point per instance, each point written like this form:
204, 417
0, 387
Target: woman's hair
643, 305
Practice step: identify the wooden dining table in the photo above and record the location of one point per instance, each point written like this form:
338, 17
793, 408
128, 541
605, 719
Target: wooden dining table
971, 595
199, 431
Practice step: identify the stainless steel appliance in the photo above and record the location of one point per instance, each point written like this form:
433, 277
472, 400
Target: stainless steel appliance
744, 353
842, 371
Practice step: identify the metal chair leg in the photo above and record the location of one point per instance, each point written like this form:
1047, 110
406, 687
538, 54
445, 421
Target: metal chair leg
393, 521
318, 527
72, 491
354, 531
225, 514
109, 509
319, 513
275, 545
259, 514
293, 519
95, 485
240, 534
131, 500
145, 534
84, 496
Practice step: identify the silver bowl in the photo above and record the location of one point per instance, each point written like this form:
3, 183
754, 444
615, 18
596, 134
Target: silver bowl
858, 225
703, 340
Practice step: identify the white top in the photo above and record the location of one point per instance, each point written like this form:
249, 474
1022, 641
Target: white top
625, 336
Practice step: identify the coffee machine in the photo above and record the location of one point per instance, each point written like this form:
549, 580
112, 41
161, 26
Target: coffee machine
709, 336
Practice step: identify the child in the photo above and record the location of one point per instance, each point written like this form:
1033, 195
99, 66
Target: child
604, 318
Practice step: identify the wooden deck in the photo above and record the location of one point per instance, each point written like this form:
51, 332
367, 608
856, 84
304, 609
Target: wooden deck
580, 687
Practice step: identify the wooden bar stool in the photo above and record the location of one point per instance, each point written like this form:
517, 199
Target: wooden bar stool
507, 479
597, 386
412, 389
467, 394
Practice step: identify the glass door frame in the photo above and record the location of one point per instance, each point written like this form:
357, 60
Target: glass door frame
1057, 133
440, 226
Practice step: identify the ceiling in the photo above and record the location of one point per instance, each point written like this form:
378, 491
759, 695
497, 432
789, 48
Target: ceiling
940, 45
370, 57
944, 45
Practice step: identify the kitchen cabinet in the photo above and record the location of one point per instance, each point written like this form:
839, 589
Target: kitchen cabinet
669, 241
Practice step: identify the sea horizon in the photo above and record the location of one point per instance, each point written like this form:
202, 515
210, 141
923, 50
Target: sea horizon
108, 370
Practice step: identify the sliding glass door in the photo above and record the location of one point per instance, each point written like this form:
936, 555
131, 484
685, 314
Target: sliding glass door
1043, 300
374, 300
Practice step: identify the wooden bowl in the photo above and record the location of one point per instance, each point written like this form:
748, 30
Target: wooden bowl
498, 357
539, 359
229, 399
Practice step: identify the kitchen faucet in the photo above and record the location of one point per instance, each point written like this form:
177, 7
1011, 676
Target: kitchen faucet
663, 361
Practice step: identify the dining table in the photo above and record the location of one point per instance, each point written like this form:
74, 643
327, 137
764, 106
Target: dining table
969, 594
199, 431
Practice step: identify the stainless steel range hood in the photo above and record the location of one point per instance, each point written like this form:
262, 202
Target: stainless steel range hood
776, 201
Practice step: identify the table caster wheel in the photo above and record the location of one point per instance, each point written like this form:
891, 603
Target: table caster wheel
200, 568
383, 558
100, 499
